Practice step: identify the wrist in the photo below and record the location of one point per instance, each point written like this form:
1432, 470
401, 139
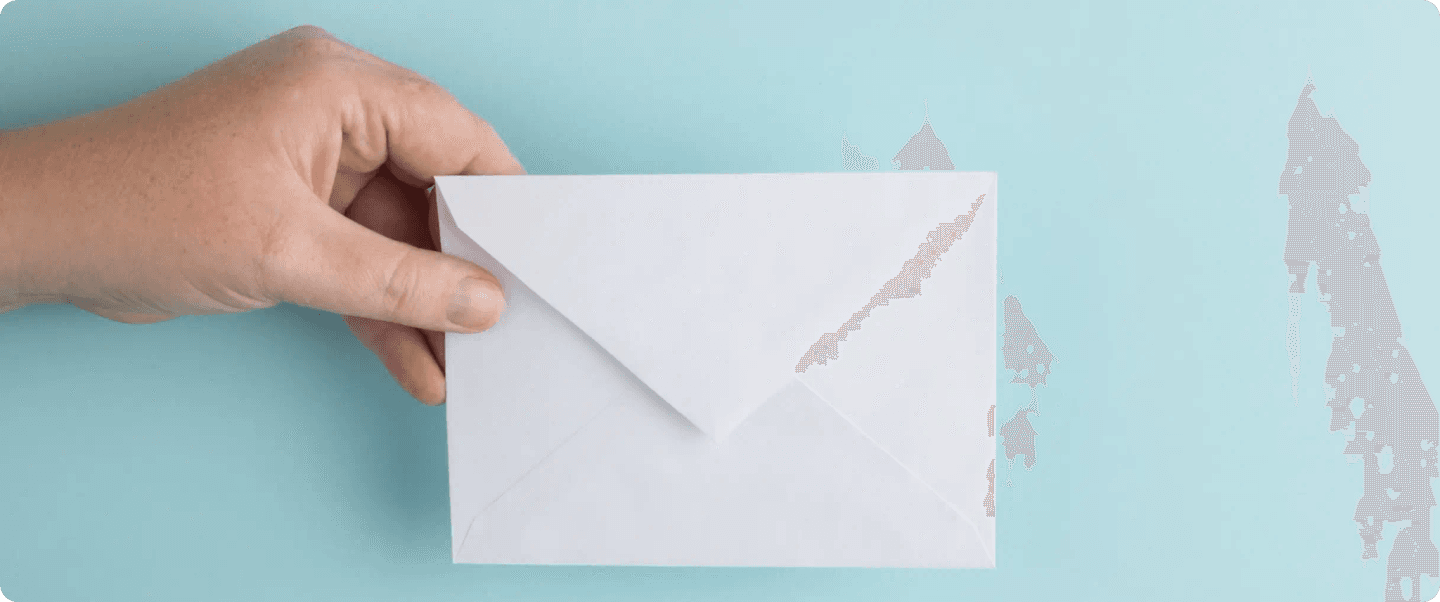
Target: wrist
21, 224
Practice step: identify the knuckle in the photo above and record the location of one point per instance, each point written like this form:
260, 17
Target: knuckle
318, 54
414, 85
401, 285
312, 40
308, 31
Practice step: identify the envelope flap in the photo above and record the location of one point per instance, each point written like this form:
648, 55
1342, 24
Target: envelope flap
711, 288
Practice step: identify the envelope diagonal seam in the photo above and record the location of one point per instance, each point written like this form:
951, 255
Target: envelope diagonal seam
974, 528
520, 479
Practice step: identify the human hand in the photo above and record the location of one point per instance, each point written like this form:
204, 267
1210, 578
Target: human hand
292, 171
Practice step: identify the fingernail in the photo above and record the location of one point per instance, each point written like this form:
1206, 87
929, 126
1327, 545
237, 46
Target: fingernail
476, 305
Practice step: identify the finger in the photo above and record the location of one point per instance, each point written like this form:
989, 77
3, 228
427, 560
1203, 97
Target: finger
393, 209
330, 262
402, 213
437, 339
437, 347
405, 354
418, 128
405, 214
433, 218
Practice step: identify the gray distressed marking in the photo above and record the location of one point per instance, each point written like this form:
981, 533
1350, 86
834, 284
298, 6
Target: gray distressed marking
853, 159
1027, 355
1019, 440
904, 285
1024, 351
1369, 368
924, 150
989, 502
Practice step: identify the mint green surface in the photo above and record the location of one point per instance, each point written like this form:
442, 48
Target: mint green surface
268, 456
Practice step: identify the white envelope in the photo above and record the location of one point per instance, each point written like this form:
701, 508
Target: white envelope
726, 370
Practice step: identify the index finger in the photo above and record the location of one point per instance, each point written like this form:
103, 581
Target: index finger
409, 122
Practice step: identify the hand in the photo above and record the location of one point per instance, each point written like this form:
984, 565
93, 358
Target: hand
292, 171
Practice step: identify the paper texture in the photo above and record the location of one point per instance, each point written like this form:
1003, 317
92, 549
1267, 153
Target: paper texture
646, 399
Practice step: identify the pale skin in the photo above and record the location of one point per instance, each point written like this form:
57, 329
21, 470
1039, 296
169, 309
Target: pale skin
296, 170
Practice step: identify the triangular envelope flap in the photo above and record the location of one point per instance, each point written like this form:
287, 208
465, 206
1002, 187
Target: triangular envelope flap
709, 288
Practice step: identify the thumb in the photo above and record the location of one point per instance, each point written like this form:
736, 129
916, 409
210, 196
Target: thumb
340, 266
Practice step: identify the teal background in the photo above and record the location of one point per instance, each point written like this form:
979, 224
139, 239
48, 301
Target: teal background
268, 455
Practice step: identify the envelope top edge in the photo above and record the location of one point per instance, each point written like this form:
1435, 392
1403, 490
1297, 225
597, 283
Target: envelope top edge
716, 289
